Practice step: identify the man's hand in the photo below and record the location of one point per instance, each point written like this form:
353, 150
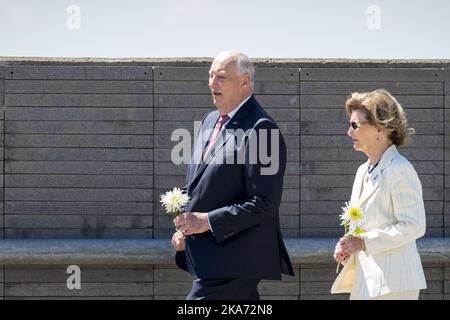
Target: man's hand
192, 223
178, 241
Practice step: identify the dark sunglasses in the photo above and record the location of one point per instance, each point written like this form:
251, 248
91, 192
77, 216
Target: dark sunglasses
355, 125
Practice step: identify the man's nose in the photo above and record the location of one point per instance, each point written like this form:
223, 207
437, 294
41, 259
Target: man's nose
214, 81
211, 82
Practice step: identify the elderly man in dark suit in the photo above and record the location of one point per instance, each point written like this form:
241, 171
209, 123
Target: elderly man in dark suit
229, 236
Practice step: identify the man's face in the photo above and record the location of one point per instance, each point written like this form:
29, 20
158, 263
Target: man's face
227, 87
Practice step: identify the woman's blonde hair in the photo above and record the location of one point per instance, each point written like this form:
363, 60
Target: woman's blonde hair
382, 111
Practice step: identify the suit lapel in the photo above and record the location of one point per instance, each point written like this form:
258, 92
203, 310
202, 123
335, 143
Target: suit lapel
209, 128
233, 124
203, 136
218, 145
230, 128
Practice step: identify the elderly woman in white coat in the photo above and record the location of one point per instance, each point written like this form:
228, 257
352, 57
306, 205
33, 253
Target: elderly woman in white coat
382, 262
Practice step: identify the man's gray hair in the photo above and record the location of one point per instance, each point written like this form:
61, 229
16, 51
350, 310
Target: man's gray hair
243, 63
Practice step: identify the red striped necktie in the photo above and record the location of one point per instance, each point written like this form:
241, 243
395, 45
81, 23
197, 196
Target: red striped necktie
219, 124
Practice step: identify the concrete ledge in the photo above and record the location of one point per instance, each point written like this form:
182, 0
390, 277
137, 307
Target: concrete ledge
159, 251
85, 251
320, 250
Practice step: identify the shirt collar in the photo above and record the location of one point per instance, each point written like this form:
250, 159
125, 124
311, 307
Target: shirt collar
235, 110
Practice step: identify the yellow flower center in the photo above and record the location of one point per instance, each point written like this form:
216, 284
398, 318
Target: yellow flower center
355, 214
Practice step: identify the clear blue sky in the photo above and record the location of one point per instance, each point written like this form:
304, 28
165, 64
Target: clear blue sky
379, 29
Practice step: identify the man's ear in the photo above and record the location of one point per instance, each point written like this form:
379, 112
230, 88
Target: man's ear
245, 79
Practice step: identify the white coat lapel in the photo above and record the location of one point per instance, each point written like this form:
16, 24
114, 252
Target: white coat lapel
373, 182
357, 185
376, 177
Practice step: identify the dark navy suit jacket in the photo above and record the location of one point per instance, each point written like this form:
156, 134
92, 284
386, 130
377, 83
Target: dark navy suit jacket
242, 204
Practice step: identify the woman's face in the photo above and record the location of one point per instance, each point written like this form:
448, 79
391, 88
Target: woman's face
364, 135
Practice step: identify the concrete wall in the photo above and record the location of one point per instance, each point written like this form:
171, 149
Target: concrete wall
85, 151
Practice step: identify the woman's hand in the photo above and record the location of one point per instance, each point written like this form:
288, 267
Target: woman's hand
178, 241
339, 254
351, 245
